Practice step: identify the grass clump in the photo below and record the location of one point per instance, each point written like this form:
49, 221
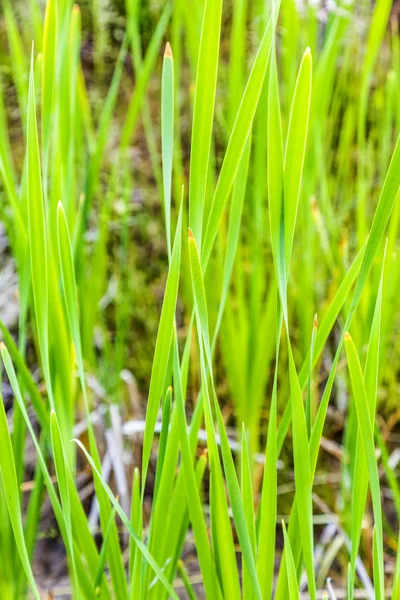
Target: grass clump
275, 179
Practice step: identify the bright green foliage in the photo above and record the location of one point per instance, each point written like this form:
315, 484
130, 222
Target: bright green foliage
11, 495
203, 113
267, 131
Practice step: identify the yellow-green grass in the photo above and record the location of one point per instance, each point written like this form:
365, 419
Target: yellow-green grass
269, 134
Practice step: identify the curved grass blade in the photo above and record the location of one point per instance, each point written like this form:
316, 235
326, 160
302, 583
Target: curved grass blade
235, 217
388, 197
223, 546
27, 379
229, 467
12, 494
71, 303
193, 498
324, 329
389, 194
383, 211
237, 141
87, 547
141, 546
284, 180
162, 349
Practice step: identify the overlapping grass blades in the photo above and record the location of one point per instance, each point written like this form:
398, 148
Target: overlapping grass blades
283, 172
203, 113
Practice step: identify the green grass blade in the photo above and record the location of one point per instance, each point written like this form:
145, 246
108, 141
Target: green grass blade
236, 59
232, 242
87, 547
302, 472
49, 53
145, 73
203, 113
389, 194
162, 448
268, 504
18, 58
104, 124
294, 593
220, 522
63, 487
71, 302
248, 506
141, 546
229, 467
69, 282
186, 581
275, 182
396, 580
27, 379
360, 484
103, 553
193, 498
135, 557
240, 132
12, 495
162, 349
310, 412
367, 436
295, 150
167, 135
37, 235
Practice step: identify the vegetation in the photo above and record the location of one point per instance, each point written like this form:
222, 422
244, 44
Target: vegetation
266, 138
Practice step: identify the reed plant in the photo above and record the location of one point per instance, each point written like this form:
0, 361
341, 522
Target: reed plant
272, 144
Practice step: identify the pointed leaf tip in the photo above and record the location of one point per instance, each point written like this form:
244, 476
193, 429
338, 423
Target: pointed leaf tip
204, 454
307, 57
168, 51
